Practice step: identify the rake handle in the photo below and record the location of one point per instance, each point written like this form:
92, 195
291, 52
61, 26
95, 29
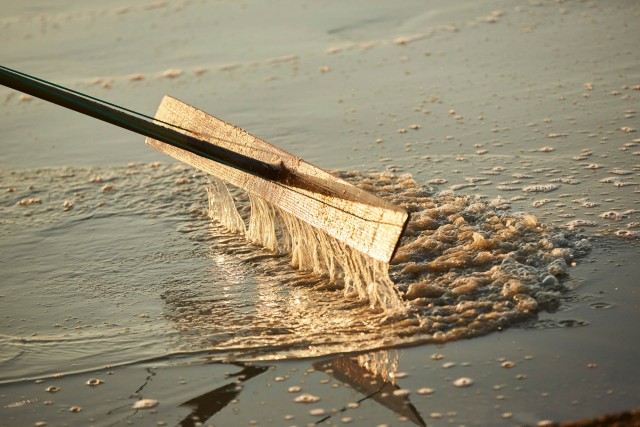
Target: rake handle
76, 102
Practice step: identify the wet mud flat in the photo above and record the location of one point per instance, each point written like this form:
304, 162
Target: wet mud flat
196, 347
112, 274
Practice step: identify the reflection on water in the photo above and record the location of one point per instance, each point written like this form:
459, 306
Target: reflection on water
372, 375
207, 405
107, 243
252, 315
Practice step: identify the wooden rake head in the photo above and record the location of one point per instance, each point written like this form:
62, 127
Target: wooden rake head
355, 217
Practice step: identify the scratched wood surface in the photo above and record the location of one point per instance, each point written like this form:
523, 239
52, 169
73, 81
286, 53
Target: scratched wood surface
363, 221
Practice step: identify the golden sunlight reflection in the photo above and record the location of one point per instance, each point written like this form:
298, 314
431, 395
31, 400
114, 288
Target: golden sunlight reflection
465, 268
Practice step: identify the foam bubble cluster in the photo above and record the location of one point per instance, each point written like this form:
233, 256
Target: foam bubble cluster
467, 265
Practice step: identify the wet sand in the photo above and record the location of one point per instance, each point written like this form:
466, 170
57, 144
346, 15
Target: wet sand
564, 366
533, 102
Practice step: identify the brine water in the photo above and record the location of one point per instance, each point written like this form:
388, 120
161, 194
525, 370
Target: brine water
146, 260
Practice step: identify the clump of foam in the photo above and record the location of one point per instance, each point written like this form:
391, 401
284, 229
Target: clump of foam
540, 188
466, 265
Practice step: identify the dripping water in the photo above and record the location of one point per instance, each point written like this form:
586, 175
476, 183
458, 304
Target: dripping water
310, 249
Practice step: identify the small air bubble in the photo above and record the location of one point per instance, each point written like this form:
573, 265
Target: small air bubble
306, 398
145, 404
463, 382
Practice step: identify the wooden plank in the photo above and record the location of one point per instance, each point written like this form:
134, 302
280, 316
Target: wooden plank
358, 218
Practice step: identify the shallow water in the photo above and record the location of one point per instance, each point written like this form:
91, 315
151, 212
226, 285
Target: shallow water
165, 288
464, 268
531, 106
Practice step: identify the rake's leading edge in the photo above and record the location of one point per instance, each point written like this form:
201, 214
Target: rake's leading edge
359, 219
354, 217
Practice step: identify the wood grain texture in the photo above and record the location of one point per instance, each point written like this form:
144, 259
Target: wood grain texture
358, 218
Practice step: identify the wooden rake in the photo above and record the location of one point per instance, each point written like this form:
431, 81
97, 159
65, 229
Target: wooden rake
355, 217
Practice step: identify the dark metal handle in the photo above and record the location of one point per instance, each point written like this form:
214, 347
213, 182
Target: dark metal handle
82, 104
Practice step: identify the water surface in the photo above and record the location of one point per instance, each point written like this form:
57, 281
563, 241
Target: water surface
529, 105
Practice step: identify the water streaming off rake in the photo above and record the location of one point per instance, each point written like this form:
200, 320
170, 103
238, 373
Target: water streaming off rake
310, 249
